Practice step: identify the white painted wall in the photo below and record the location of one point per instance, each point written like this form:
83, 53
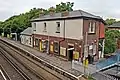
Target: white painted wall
73, 28
51, 28
26, 40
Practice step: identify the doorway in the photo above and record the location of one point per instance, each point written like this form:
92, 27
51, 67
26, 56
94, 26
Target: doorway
70, 52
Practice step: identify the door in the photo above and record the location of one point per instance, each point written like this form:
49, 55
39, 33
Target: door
70, 52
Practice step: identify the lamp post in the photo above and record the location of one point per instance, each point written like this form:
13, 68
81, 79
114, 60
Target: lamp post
85, 63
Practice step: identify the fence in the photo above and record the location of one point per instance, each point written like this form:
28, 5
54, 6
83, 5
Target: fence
113, 60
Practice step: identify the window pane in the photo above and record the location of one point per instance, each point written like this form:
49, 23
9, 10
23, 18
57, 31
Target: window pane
89, 27
94, 26
56, 47
34, 26
45, 26
58, 26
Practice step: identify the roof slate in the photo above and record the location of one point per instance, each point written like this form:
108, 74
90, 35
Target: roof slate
117, 25
76, 13
27, 31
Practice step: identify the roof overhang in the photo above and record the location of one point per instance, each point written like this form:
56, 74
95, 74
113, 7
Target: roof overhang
64, 18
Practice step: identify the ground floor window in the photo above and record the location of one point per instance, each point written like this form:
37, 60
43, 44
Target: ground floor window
56, 47
92, 53
92, 49
44, 45
36, 42
30, 41
63, 51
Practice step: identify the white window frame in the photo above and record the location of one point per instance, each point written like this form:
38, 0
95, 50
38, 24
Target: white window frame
45, 27
58, 27
34, 26
92, 27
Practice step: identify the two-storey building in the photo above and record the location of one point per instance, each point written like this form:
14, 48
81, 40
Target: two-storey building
70, 35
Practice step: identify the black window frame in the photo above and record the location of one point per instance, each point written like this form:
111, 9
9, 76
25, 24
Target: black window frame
45, 27
58, 27
56, 47
34, 26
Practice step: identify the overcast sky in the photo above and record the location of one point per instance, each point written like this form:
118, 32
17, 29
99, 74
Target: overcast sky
103, 8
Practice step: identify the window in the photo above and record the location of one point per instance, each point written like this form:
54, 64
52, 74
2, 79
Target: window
34, 26
92, 27
36, 42
30, 41
58, 27
45, 27
56, 47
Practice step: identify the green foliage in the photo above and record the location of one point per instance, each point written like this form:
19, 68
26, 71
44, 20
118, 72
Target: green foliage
18, 23
110, 40
64, 7
110, 21
90, 78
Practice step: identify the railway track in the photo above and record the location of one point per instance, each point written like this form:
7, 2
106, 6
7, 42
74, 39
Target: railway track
48, 74
15, 66
4, 75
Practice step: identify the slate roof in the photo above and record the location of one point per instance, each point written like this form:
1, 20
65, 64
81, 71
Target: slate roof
115, 25
27, 31
72, 14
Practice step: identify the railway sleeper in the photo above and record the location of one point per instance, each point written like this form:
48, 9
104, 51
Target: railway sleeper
42, 62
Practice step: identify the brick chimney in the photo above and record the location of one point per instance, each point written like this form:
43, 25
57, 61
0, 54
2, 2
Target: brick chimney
65, 13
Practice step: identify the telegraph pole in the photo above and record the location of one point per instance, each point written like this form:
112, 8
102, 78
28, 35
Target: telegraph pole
85, 63
48, 42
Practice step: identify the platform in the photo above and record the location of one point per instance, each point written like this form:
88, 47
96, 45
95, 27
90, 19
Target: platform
51, 59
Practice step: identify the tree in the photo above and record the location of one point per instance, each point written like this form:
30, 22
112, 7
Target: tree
18, 23
64, 7
51, 9
110, 21
110, 40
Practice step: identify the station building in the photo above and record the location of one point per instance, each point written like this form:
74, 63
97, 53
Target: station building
69, 35
26, 37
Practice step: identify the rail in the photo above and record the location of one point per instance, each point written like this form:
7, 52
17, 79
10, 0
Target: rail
4, 73
45, 63
16, 67
28, 67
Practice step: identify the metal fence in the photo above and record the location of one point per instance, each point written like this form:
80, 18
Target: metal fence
102, 76
113, 60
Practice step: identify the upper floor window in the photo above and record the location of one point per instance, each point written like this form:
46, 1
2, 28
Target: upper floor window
45, 27
58, 27
92, 27
34, 26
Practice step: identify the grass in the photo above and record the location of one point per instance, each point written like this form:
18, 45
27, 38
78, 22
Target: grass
88, 77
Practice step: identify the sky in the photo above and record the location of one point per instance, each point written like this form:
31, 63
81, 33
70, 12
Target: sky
103, 8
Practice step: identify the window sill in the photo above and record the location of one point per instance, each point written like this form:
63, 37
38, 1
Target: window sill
44, 31
91, 33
